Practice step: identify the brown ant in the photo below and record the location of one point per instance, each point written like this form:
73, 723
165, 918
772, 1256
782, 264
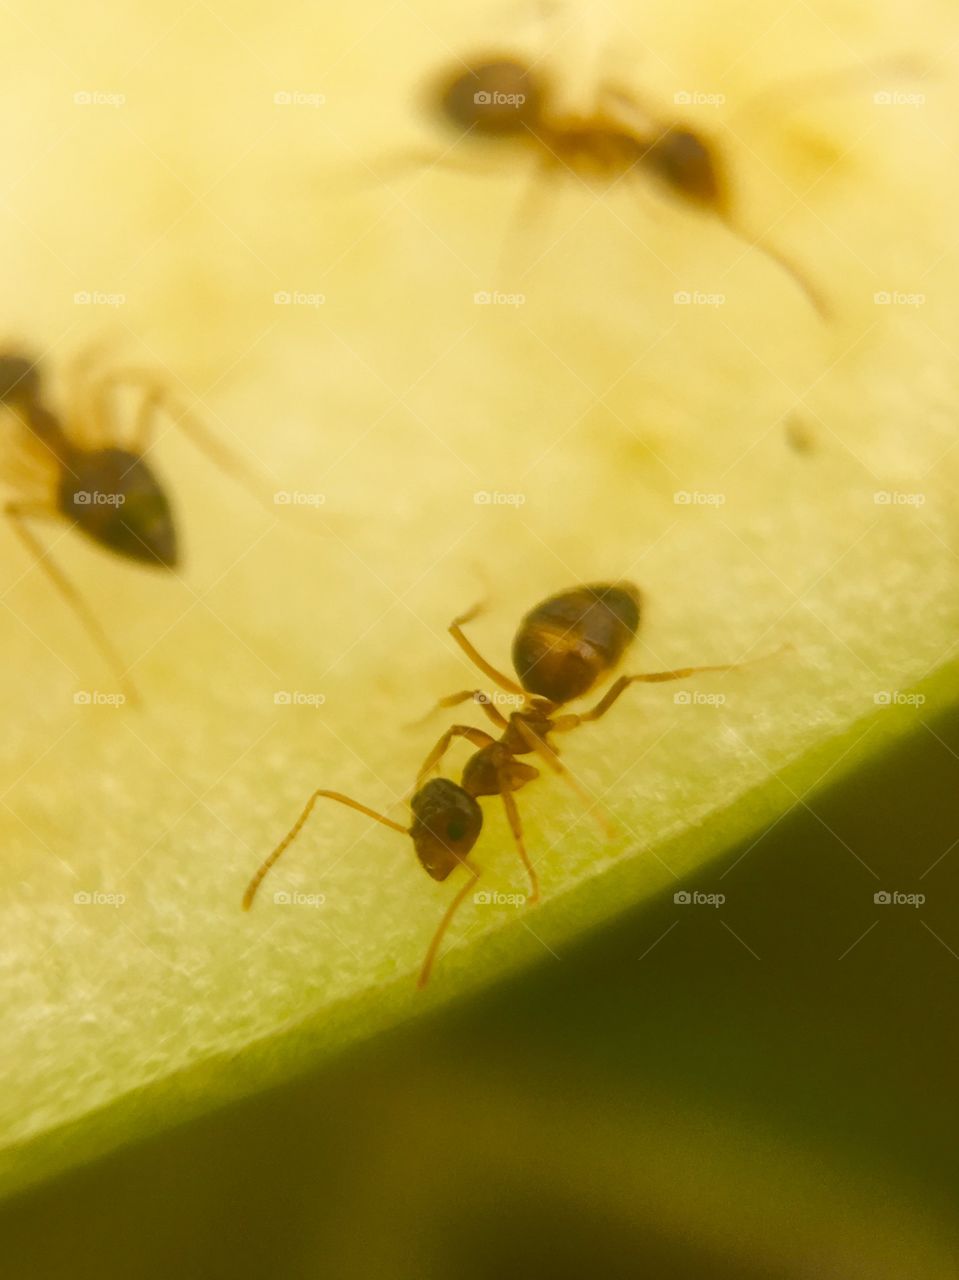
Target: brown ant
105, 489
564, 646
501, 98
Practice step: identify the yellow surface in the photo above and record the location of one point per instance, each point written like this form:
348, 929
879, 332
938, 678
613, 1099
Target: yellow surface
184, 187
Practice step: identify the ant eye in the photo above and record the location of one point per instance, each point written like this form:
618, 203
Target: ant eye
455, 830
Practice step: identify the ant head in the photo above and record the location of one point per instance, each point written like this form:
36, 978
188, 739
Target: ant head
684, 161
19, 378
446, 824
498, 98
115, 498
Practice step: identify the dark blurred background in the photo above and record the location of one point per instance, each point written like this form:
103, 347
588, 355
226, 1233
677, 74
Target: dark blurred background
764, 1089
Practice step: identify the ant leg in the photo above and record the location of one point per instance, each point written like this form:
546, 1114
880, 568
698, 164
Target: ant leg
157, 398
478, 738
297, 828
551, 757
18, 513
814, 297
530, 211
454, 700
420, 160
516, 826
444, 924
456, 631
562, 724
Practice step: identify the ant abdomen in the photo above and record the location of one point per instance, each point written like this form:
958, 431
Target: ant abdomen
19, 379
447, 822
567, 642
114, 497
497, 98
684, 162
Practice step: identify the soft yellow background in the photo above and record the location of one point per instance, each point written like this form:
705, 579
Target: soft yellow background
198, 198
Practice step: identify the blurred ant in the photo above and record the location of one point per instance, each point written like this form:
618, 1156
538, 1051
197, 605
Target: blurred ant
87, 474
563, 647
501, 98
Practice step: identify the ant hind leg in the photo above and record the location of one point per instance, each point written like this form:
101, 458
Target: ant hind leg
18, 514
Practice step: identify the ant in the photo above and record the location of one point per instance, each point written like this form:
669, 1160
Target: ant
100, 485
501, 99
564, 646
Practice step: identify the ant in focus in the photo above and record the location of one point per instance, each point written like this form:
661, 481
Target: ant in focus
502, 99
564, 646
85, 471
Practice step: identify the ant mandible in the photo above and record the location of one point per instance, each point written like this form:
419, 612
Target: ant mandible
502, 99
98, 482
564, 646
